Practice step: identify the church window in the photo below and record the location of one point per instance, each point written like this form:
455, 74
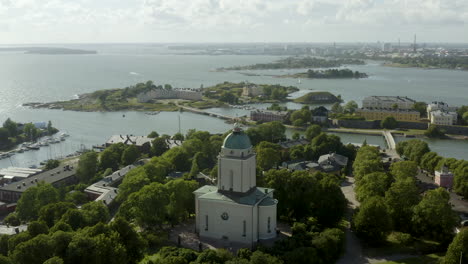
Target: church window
231, 180
269, 224
244, 231
206, 222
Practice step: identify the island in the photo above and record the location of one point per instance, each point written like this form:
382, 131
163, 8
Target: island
150, 97
48, 50
430, 62
327, 74
318, 97
297, 63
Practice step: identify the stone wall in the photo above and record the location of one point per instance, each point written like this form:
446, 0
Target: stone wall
363, 124
412, 125
454, 130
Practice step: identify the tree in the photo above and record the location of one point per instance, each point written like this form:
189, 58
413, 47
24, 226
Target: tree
413, 149
87, 166
94, 213
50, 128
4, 140
54, 260
12, 219
11, 127
313, 131
179, 158
429, 161
337, 108
130, 238
52, 164
36, 228
181, 199
434, 131
130, 155
456, 252
147, 206
110, 158
372, 184
404, 169
259, 257
372, 221
350, 107
325, 144
132, 182
51, 213
159, 146
153, 134
30, 131
178, 136
34, 198
400, 199
465, 117
36, 250
421, 107
389, 123
435, 203
296, 136
267, 158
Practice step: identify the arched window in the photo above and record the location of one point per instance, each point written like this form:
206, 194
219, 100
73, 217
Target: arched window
244, 231
269, 224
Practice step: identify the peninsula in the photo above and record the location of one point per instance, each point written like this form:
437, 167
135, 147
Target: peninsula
327, 74
297, 63
430, 62
150, 97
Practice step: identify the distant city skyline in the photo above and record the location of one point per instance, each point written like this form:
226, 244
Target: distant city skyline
133, 21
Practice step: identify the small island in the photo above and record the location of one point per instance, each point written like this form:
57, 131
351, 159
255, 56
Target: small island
317, 98
297, 63
327, 74
150, 97
48, 50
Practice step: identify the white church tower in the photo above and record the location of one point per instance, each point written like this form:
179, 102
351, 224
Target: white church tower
236, 210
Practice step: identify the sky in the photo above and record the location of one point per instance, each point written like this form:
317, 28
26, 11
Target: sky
103, 21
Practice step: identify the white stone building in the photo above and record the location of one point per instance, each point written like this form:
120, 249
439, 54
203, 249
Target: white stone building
441, 114
439, 117
252, 91
236, 210
387, 102
186, 94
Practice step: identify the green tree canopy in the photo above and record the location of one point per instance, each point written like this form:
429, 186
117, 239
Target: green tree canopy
87, 166
435, 203
389, 123
372, 221
34, 198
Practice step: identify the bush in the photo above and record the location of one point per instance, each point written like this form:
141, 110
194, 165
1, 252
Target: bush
12, 219
389, 123
401, 238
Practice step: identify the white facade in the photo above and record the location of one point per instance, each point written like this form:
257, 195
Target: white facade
252, 91
387, 102
236, 210
187, 94
443, 118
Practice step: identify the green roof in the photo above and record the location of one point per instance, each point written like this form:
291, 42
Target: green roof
249, 198
237, 140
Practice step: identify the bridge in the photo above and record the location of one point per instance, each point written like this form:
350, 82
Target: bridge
389, 139
208, 113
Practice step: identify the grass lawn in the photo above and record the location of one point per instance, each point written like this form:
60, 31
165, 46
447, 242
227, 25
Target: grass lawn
427, 259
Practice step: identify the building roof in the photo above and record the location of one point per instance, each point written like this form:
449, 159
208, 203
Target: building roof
249, 198
333, 158
129, 140
292, 143
237, 140
50, 176
391, 99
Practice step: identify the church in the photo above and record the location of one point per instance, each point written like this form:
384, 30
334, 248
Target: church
236, 210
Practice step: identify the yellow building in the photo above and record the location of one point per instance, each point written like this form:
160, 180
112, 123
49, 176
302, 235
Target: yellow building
381, 114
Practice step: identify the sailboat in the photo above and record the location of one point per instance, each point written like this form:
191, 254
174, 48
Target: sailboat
299, 81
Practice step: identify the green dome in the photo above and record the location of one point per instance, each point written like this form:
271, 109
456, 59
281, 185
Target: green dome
237, 140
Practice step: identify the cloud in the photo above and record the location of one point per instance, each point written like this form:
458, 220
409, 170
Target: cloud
225, 20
